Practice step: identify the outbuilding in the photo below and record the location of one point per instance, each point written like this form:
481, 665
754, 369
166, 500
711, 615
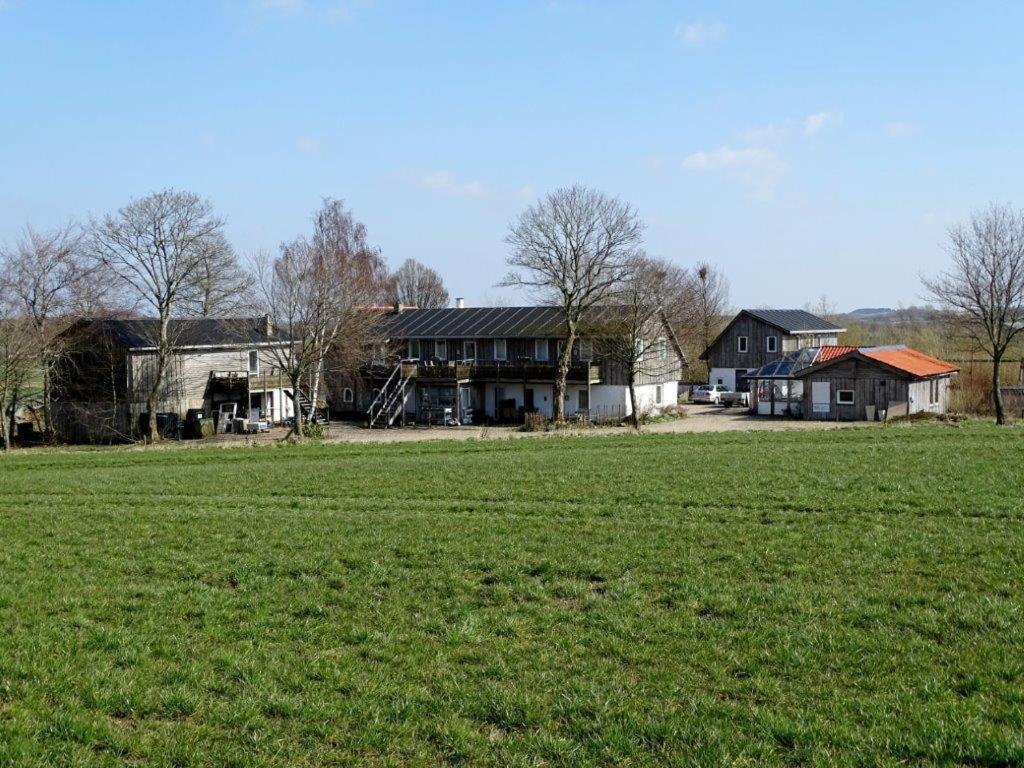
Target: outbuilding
853, 384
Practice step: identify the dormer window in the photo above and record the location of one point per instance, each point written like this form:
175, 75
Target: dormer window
741, 345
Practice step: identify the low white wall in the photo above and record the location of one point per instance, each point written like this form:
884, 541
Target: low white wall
609, 399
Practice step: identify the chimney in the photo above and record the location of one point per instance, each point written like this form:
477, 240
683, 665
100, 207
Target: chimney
267, 325
460, 303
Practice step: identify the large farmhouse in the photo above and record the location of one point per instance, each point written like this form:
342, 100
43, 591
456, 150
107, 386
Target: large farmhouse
499, 363
756, 337
104, 380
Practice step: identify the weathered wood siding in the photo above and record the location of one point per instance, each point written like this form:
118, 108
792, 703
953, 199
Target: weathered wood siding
188, 376
725, 353
871, 384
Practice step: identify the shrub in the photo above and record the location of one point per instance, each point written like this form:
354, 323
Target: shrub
207, 428
315, 431
535, 422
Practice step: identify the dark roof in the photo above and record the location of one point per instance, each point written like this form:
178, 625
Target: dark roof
189, 332
786, 320
476, 322
793, 320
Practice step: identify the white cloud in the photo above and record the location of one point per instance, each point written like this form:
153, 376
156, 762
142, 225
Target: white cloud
900, 130
771, 135
447, 181
700, 33
814, 123
758, 167
308, 145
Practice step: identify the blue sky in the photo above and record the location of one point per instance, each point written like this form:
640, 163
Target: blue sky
806, 148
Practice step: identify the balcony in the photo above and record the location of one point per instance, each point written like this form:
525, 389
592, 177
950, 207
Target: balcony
579, 372
267, 378
491, 371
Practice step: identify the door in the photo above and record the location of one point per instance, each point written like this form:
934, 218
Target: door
742, 383
528, 400
882, 397
821, 396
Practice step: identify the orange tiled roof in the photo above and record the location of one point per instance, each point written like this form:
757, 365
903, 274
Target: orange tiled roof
832, 352
910, 360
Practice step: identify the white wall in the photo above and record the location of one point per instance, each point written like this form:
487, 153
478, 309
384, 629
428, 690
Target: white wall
609, 399
726, 376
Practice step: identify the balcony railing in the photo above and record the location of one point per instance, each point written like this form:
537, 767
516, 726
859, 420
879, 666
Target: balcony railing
495, 370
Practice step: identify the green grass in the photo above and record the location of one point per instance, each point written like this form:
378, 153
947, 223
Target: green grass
845, 597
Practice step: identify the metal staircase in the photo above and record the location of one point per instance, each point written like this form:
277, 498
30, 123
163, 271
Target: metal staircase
309, 413
389, 404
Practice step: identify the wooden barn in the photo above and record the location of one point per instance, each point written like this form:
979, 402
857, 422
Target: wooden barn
853, 384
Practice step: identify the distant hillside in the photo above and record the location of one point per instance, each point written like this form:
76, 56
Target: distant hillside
886, 315
870, 312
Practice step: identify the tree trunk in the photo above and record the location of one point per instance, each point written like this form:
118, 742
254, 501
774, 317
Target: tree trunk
3, 424
635, 417
997, 394
152, 433
296, 432
561, 376
47, 375
8, 426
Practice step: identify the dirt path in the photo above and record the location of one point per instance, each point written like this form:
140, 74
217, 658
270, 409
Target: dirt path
699, 418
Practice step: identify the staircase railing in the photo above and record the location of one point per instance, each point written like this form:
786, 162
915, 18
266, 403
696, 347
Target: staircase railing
389, 403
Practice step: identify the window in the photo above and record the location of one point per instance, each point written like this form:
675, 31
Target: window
658, 394
559, 346
440, 349
469, 350
254, 361
541, 350
933, 392
844, 397
584, 400
500, 349
773, 344
741, 344
414, 349
346, 395
661, 346
585, 349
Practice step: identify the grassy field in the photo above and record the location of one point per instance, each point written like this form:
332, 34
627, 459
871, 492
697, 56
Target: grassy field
845, 597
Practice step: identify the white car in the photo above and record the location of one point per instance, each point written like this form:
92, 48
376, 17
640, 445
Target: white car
709, 393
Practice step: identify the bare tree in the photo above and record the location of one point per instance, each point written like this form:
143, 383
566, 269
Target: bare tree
157, 246
984, 287
316, 293
52, 283
710, 302
221, 286
417, 285
637, 332
571, 248
19, 360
